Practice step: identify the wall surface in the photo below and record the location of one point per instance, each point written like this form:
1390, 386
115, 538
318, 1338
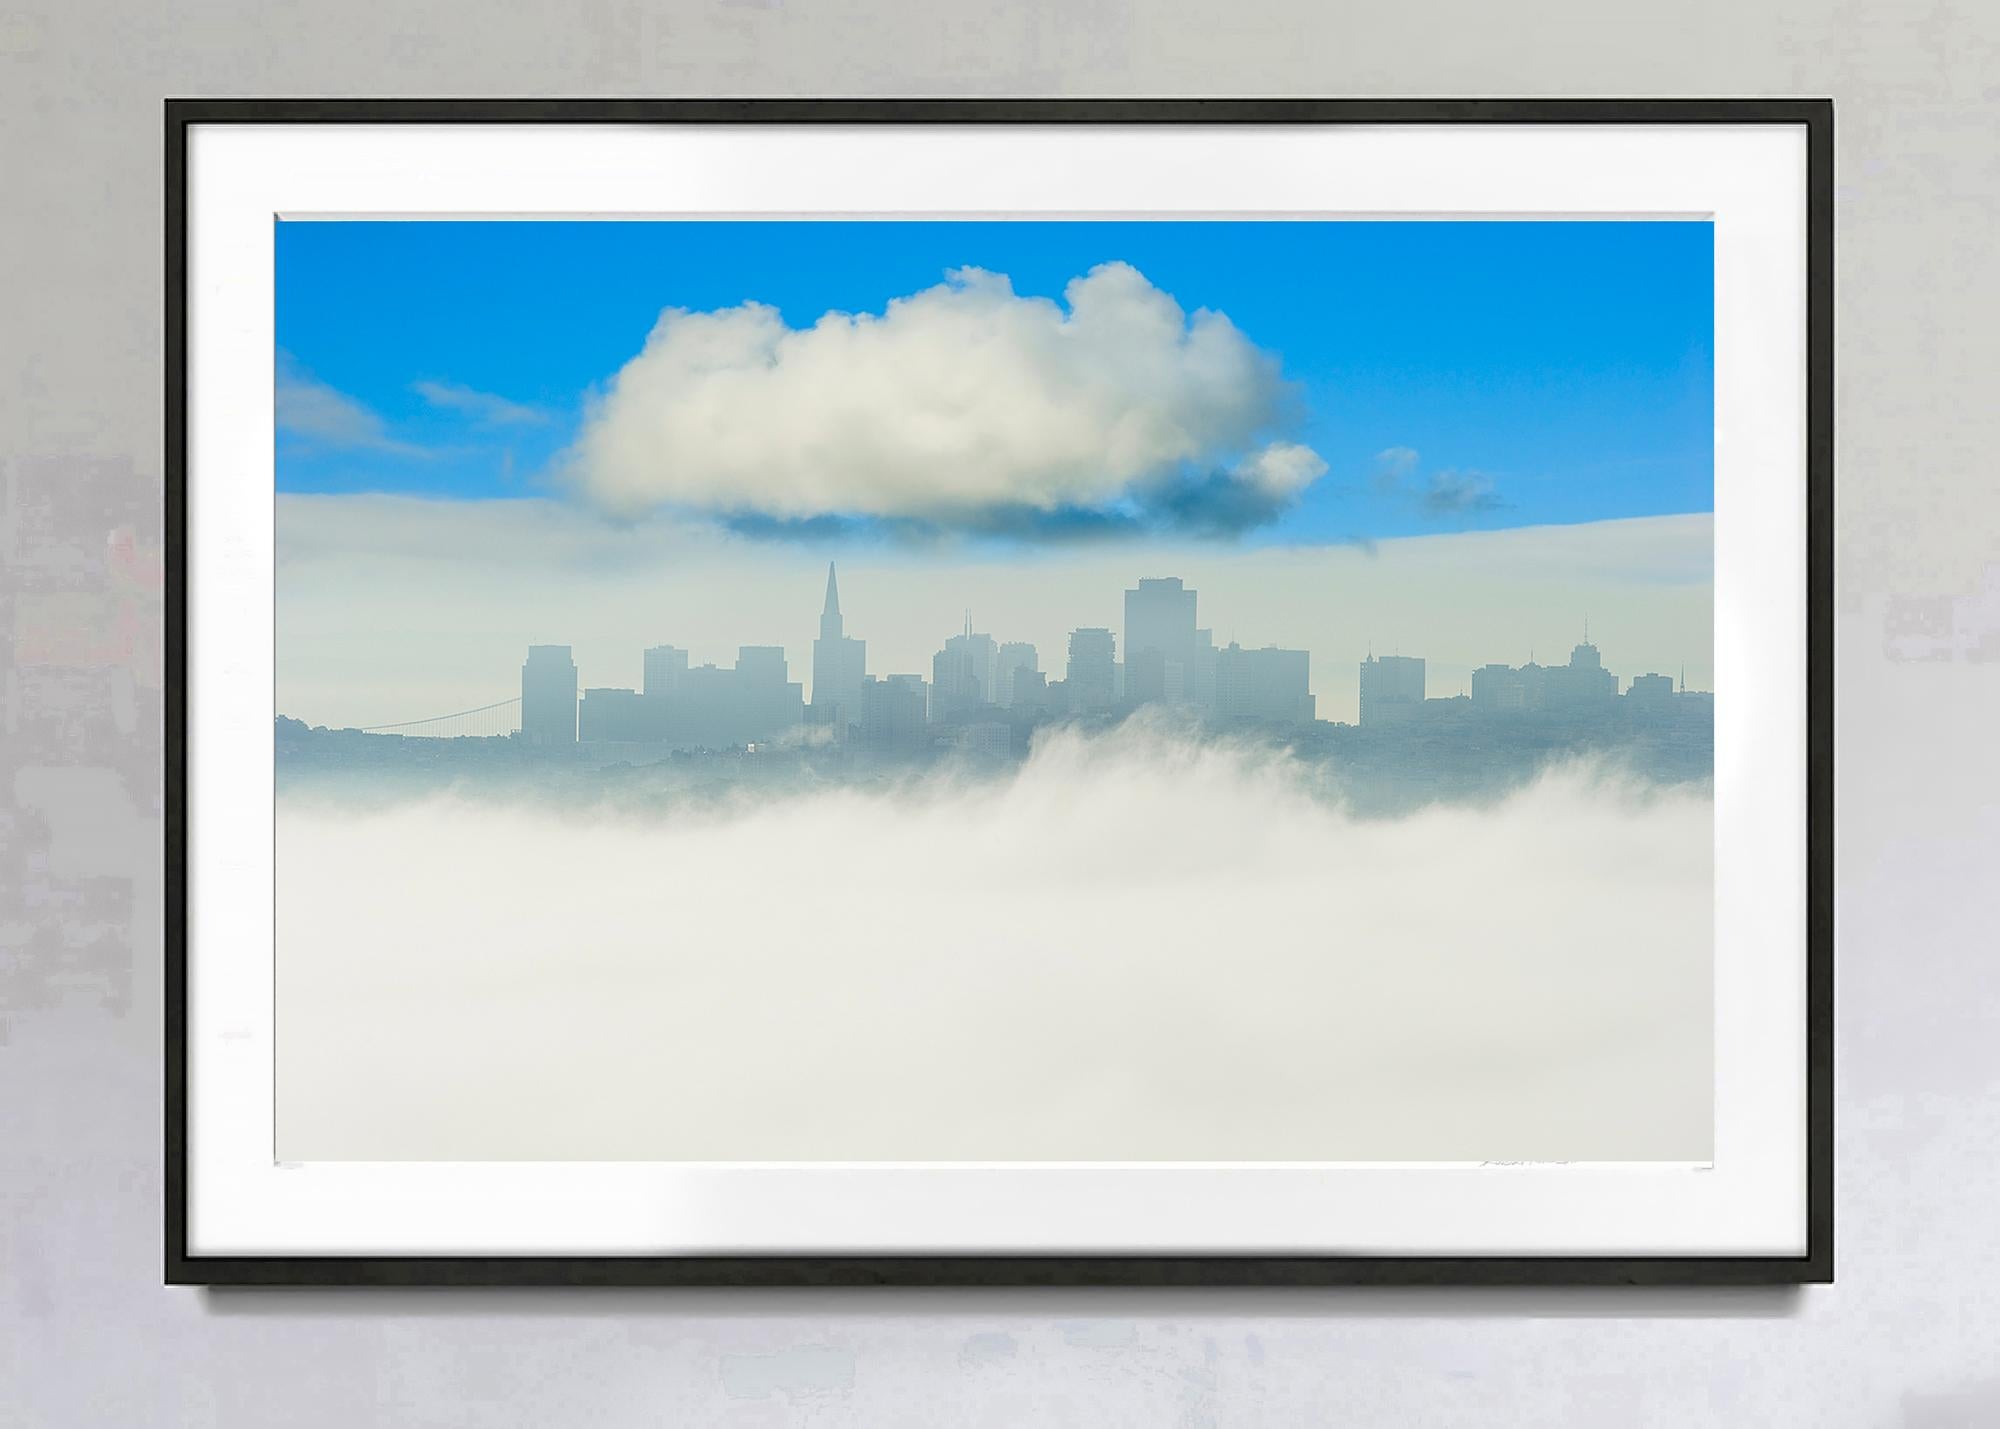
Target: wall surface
1909, 1335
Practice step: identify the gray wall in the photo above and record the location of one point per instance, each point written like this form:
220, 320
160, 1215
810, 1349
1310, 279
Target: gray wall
88, 1336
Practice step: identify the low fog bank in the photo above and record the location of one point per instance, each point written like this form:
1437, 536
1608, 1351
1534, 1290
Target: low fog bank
1137, 947
1374, 773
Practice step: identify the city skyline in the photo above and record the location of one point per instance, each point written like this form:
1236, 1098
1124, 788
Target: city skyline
1161, 656
517, 573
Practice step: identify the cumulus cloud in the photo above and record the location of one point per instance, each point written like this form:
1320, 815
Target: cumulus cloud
1458, 493
309, 408
485, 407
1190, 957
963, 406
1441, 495
1252, 493
1394, 465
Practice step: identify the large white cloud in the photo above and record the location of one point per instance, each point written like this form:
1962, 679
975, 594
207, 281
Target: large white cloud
962, 399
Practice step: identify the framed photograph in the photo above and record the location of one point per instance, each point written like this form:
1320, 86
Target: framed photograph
866, 692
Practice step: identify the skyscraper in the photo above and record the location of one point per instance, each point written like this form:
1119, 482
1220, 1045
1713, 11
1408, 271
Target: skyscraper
1583, 681
1160, 617
1651, 691
1031, 692
717, 708
1268, 686
665, 666
1092, 677
894, 713
1497, 688
839, 665
767, 700
1146, 676
609, 715
1015, 655
962, 674
1392, 688
548, 696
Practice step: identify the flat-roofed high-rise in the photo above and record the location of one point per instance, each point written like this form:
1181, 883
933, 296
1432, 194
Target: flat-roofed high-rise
548, 696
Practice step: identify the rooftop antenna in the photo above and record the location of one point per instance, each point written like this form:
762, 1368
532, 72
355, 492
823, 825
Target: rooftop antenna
1586, 627
1684, 677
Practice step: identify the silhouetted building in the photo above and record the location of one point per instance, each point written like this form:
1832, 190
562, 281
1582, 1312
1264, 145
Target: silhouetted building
1392, 688
1146, 676
894, 713
772, 704
1159, 620
698, 707
762, 665
1198, 677
754, 703
1651, 691
839, 666
1498, 689
1033, 694
548, 696
665, 667
1008, 662
617, 716
1092, 675
1583, 681
1268, 686
962, 675
1160, 616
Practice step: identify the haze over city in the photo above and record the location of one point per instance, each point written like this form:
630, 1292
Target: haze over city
392, 609
987, 693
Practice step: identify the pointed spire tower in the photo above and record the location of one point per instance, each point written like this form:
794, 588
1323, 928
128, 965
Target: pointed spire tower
829, 618
839, 666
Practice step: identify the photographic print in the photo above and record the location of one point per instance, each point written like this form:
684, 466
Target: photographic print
834, 692
994, 691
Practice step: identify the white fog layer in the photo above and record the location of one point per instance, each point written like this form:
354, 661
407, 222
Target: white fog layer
1135, 948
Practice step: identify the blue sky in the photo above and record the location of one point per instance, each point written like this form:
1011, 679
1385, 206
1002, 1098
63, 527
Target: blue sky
1450, 375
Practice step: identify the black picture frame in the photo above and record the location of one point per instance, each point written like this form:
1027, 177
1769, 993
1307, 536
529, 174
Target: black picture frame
1815, 1265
